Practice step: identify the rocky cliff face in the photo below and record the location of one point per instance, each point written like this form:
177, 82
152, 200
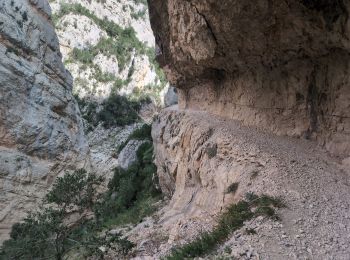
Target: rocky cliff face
206, 163
108, 46
281, 66
41, 132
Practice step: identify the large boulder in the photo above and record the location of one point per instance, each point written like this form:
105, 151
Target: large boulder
128, 155
170, 97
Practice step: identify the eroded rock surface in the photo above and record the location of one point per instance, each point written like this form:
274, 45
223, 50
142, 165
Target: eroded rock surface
112, 64
41, 133
206, 163
128, 155
280, 65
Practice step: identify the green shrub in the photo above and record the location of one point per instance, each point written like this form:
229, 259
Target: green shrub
229, 221
51, 232
139, 15
103, 77
118, 111
119, 84
142, 133
131, 193
232, 188
211, 151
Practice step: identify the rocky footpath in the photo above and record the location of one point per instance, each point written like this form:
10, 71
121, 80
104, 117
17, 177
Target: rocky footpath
282, 66
41, 132
264, 108
206, 163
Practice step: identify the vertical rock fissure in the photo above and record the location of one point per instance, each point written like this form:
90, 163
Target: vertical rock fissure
312, 104
207, 24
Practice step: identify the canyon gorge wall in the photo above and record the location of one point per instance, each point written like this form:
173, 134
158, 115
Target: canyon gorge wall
108, 47
41, 132
282, 66
281, 70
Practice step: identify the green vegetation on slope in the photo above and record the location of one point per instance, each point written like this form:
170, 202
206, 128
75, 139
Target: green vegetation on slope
142, 133
64, 223
133, 192
116, 110
74, 217
121, 43
231, 220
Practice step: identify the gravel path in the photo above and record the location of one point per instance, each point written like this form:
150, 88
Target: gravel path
315, 186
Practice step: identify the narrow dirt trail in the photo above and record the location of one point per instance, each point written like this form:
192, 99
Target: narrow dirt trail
315, 187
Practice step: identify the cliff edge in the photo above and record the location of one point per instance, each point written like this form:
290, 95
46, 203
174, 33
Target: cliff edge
264, 108
41, 132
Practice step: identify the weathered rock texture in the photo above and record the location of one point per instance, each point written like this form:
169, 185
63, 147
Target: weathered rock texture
128, 155
41, 132
279, 65
206, 163
97, 79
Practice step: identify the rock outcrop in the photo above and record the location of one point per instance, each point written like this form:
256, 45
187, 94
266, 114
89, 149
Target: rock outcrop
170, 97
128, 155
111, 63
206, 163
41, 132
279, 65
246, 71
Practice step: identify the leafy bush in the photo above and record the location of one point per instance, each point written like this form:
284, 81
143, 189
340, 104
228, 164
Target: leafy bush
118, 111
212, 151
142, 133
131, 193
63, 223
232, 188
231, 220
139, 15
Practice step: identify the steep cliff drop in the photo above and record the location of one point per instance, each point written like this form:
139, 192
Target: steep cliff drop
41, 133
281, 69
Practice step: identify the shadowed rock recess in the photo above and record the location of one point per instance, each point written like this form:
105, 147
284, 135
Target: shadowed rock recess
282, 66
41, 132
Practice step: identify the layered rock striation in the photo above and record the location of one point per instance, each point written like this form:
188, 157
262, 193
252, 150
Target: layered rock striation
41, 132
206, 163
108, 46
279, 65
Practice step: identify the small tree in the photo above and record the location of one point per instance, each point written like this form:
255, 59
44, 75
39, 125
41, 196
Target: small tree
64, 222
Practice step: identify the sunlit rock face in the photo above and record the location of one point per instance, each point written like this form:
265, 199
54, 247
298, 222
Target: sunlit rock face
280, 65
129, 73
41, 133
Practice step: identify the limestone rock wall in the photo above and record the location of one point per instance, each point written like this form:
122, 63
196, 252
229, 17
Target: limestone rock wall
130, 73
206, 163
279, 65
41, 132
